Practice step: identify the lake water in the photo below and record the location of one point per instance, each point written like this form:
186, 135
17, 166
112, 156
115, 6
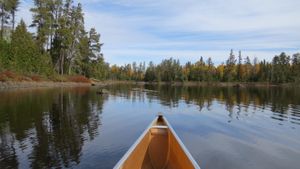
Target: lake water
223, 128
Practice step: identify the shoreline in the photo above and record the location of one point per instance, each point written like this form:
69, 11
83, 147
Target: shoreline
20, 85
47, 84
228, 84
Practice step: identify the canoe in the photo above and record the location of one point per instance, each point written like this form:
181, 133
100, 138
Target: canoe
158, 148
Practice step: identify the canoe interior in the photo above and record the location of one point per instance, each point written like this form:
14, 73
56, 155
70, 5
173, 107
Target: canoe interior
158, 149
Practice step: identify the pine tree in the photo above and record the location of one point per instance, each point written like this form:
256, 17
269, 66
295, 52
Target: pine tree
63, 38
211, 70
13, 7
4, 14
296, 67
77, 33
281, 69
239, 68
150, 75
95, 56
41, 19
255, 70
230, 72
94, 44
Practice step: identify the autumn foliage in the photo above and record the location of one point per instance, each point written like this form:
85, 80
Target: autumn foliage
282, 69
78, 79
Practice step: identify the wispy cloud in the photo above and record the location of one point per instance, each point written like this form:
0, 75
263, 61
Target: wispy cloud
137, 30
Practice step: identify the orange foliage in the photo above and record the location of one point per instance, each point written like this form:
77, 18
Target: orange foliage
114, 69
36, 78
8, 75
78, 79
2, 78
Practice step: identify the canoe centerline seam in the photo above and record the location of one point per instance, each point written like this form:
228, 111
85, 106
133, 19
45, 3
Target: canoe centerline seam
169, 145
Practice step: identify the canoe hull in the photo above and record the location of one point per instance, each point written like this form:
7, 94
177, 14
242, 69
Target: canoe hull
158, 148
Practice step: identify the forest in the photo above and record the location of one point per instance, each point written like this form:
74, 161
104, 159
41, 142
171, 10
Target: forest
61, 46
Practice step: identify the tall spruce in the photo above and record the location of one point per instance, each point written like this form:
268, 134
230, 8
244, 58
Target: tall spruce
210, 70
42, 21
25, 55
239, 67
230, 72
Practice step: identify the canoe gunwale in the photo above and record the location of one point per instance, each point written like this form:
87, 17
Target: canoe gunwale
132, 148
195, 164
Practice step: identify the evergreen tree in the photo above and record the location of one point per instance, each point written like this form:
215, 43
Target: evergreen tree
63, 42
4, 14
25, 54
255, 70
296, 67
210, 70
248, 69
94, 44
150, 75
239, 67
13, 7
82, 59
4, 54
281, 68
78, 33
230, 71
99, 69
42, 21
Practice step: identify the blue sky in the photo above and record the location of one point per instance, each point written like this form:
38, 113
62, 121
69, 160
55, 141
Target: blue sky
145, 30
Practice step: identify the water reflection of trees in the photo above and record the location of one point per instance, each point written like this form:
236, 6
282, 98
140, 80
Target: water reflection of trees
51, 125
282, 102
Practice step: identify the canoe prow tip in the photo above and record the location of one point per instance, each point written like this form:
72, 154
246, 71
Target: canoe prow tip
160, 114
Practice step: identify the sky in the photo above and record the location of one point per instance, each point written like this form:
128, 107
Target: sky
153, 30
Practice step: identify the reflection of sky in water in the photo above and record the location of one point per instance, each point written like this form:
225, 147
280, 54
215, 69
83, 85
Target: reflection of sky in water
221, 128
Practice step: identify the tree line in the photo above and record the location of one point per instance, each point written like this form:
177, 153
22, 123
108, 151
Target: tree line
62, 46
282, 69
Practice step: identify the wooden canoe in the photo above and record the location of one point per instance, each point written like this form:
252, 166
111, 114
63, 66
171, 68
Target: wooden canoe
158, 148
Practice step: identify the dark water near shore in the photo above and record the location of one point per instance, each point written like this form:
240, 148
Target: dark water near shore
223, 128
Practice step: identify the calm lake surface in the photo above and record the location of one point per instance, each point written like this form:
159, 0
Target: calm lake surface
223, 128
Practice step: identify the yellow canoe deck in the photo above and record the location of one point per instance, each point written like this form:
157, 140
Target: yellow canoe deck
158, 148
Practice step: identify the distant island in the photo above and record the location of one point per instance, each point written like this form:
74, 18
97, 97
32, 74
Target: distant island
62, 50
